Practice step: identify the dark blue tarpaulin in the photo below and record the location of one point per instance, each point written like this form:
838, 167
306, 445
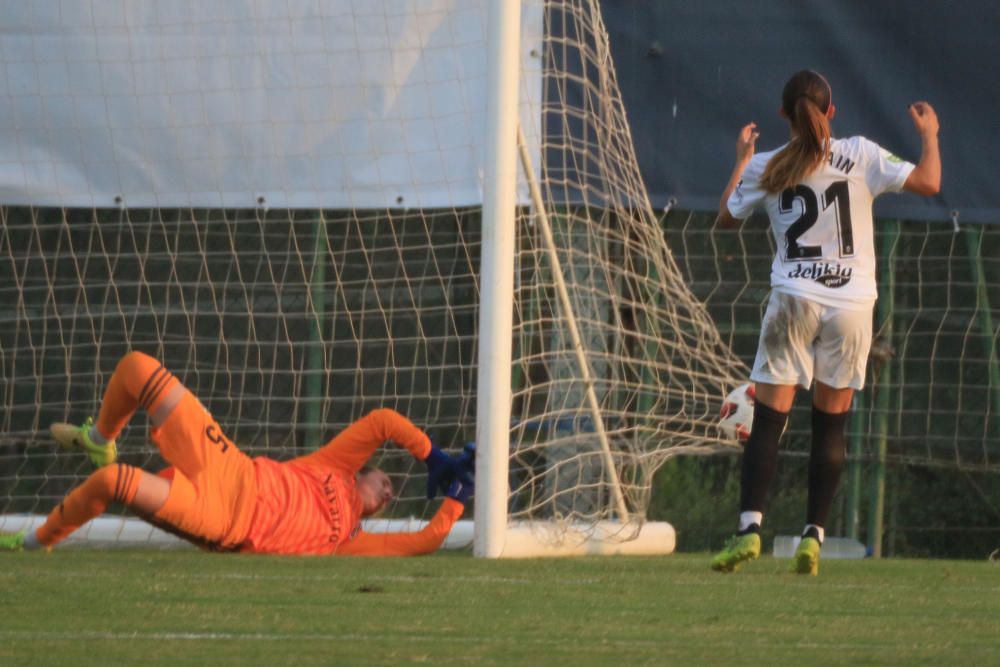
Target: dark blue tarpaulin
692, 73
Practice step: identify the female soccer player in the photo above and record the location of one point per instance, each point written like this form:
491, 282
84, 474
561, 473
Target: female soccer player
220, 499
818, 193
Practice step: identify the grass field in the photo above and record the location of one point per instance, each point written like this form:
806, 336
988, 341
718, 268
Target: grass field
180, 608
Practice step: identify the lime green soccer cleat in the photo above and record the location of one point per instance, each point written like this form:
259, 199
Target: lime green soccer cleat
738, 549
12, 541
807, 556
75, 438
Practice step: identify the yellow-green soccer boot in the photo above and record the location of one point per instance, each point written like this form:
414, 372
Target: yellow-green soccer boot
737, 550
77, 438
12, 541
807, 556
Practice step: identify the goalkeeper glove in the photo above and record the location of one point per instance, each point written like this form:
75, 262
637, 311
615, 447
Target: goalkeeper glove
440, 471
464, 485
461, 490
466, 463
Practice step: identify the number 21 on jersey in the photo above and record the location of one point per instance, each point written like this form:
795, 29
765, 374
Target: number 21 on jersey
836, 202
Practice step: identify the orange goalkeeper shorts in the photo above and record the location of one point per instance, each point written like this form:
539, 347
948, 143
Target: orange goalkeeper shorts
214, 488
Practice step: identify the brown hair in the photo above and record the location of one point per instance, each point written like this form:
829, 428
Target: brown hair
805, 101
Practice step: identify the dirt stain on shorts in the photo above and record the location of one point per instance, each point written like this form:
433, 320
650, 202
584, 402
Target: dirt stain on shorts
790, 324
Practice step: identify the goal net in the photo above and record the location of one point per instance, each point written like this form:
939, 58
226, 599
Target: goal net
283, 203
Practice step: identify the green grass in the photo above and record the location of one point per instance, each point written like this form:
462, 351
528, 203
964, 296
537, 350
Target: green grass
178, 608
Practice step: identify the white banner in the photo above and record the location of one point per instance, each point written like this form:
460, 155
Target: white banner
240, 103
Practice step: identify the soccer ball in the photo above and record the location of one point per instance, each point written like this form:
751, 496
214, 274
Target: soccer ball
736, 415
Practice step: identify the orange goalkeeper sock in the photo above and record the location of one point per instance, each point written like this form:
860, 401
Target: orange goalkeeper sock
117, 482
138, 381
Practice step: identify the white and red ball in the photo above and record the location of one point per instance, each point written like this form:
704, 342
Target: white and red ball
736, 415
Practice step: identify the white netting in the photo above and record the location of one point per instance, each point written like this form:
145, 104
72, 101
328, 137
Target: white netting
657, 363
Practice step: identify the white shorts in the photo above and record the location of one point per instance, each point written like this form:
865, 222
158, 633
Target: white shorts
801, 340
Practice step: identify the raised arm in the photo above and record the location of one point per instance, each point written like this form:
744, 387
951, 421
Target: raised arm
745, 143
353, 446
925, 179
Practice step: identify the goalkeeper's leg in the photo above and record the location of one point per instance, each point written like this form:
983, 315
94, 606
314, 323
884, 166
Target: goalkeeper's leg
138, 381
203, 498
141, 491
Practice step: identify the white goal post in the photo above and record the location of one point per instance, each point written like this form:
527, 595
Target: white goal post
497, 276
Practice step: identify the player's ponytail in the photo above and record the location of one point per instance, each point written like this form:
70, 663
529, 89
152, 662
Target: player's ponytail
805, 101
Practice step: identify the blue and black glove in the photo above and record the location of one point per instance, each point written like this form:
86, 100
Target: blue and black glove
461, 490
466, 463
464, 485
440, 471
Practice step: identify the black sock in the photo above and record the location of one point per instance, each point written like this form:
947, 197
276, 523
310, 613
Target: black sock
760, 457
826, 461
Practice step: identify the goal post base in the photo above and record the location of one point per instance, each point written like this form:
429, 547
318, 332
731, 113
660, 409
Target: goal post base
535, 539
606, 538
543, 539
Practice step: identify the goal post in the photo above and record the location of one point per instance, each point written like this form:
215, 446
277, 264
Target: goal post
497, 277
564, 529
506, 148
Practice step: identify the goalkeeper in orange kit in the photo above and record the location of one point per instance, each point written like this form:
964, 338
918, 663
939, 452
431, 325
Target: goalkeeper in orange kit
220, 499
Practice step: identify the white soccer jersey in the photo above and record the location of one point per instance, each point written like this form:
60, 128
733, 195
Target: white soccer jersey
823, 226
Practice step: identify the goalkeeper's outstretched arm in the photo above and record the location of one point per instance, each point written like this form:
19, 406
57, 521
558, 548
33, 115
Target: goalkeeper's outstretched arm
428, 539
425, 541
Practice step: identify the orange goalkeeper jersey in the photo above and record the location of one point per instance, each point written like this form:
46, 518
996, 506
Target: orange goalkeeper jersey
310, 505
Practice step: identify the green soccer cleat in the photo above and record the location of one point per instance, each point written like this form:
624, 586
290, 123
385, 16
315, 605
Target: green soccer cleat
12, 541
807, 556
75, 438
738, 549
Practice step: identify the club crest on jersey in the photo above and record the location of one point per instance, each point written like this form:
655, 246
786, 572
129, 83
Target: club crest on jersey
825, 273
